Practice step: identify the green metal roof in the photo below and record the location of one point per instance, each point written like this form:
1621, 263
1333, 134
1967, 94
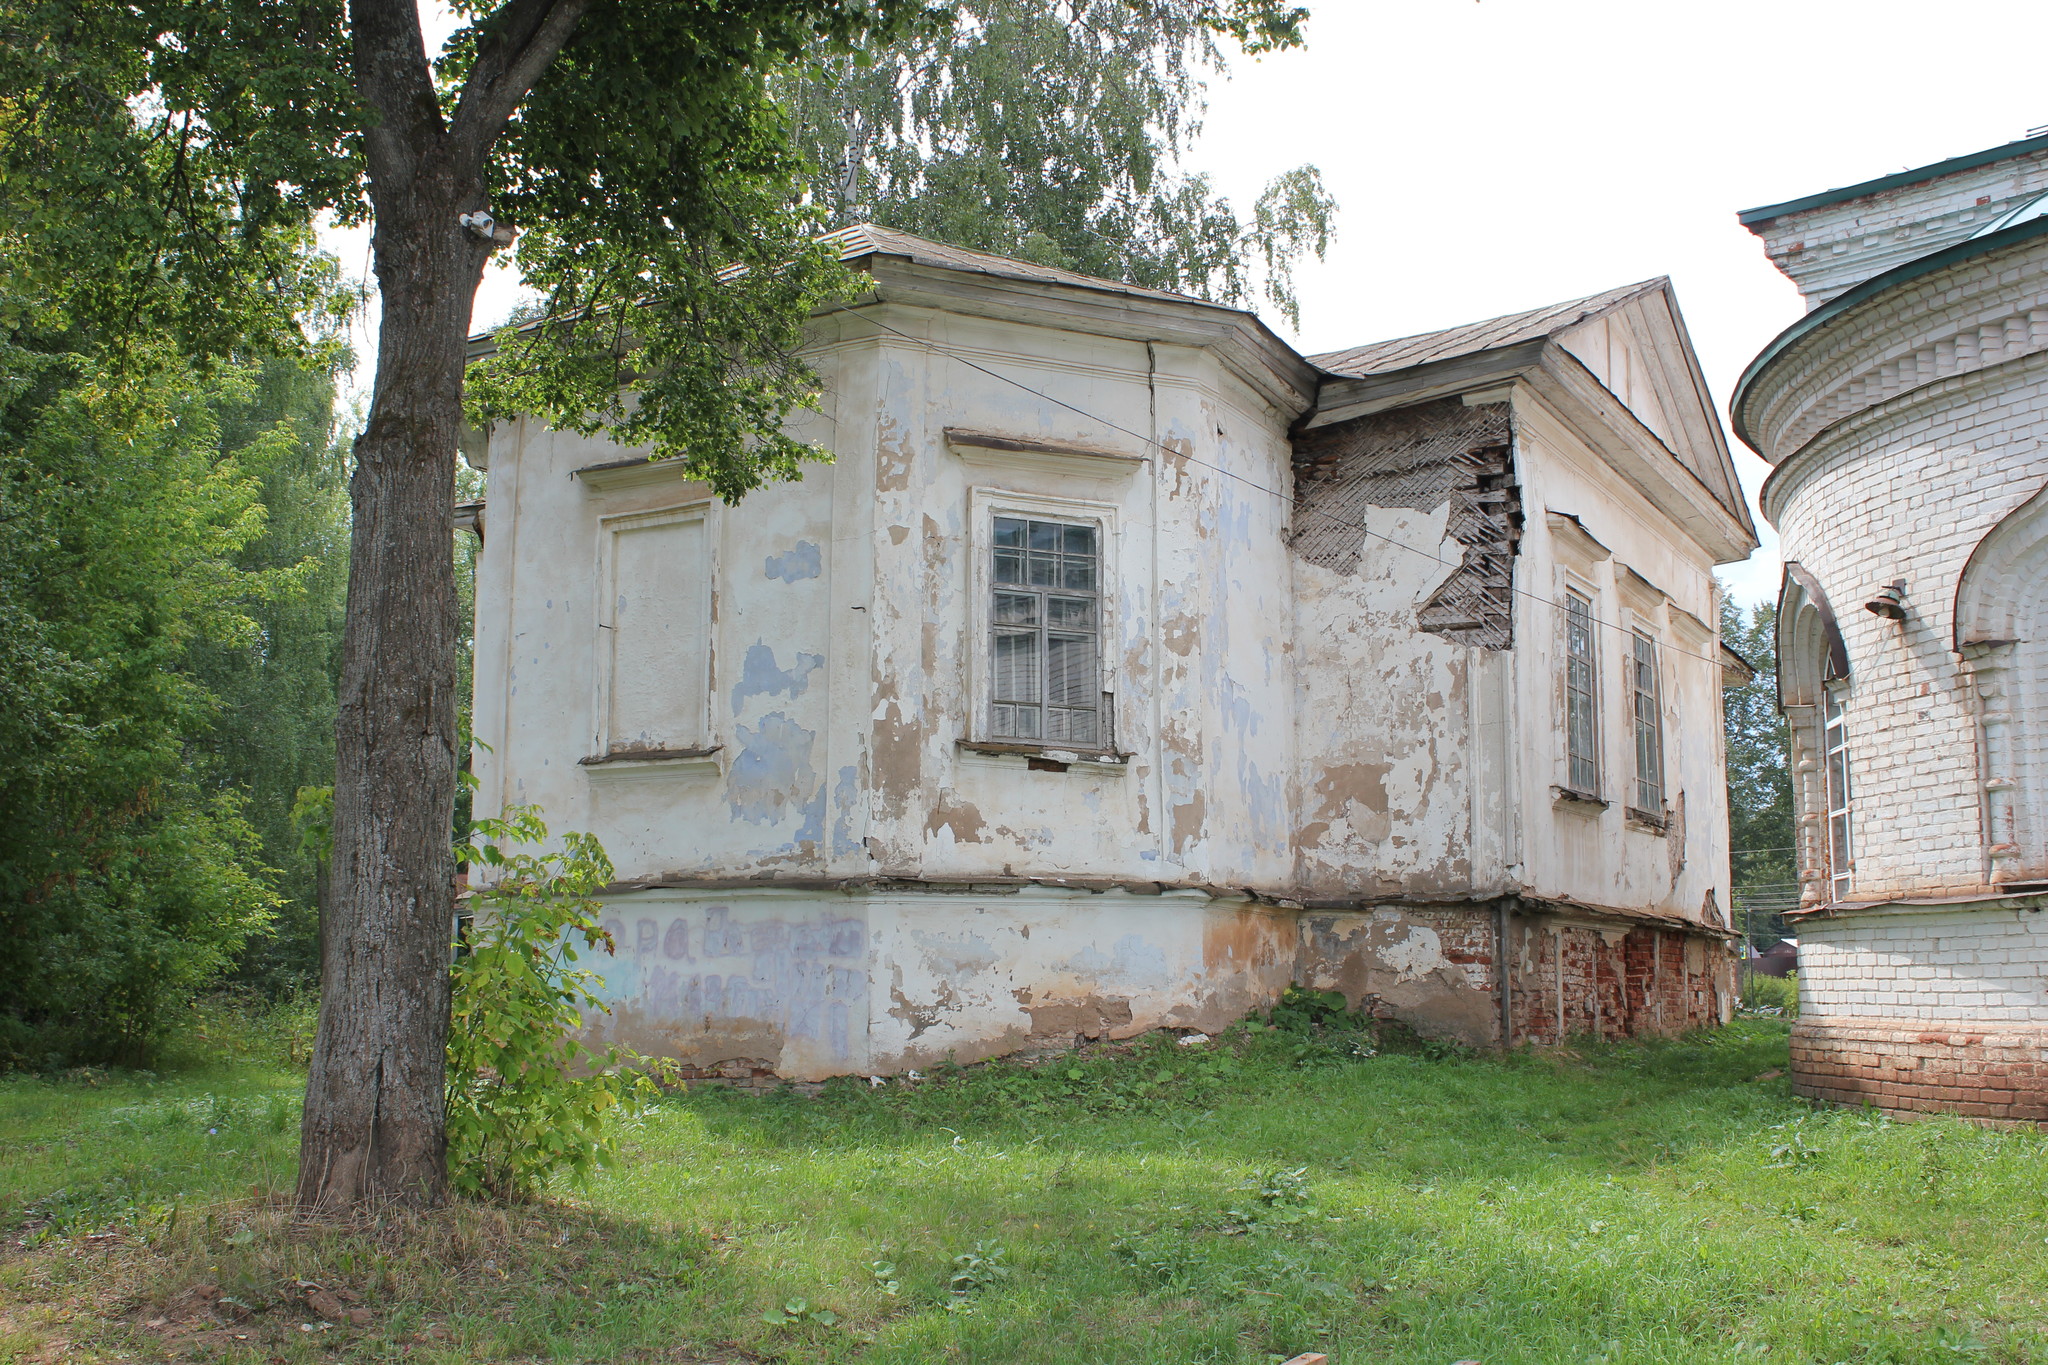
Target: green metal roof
1751, 217
1843, 303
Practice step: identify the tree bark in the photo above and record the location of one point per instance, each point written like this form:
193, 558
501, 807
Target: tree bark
374, 1128
375, 1125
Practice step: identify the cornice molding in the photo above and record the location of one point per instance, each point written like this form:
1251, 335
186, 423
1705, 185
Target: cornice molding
1784, 482
1776, 372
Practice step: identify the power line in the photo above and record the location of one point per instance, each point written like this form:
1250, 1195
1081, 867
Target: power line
938, 349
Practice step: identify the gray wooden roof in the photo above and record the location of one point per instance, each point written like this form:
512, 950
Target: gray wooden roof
1382, 357
870, 239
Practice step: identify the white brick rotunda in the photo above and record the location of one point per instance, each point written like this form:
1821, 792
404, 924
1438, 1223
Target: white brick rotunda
1906, 416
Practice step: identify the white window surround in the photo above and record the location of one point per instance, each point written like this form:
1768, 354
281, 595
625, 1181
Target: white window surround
1586, 665
1646, 724
1838, 788
985, 504
692, 742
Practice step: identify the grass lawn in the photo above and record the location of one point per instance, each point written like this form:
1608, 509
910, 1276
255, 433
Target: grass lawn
1239, 1201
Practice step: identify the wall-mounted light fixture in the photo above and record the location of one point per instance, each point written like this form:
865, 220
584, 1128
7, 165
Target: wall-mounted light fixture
1890, 601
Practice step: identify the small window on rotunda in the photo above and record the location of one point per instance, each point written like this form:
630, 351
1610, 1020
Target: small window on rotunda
1835, 747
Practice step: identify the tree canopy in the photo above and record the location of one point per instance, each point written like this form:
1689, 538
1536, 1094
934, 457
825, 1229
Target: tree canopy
1760, 824
1053, 132
163, 164
168, 519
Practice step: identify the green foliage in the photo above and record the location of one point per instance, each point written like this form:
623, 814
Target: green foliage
129, 876
161, 165
1302, 1010
1053, 133
272, 735
797, 1312
528, 1098
1279, 1199
169, 525
661, 208
1622, 1202
1318, 1028
1759, 775
978, 1270
1773, 994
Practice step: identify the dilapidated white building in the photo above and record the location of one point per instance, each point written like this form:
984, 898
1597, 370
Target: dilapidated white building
1907, 417
1125, 666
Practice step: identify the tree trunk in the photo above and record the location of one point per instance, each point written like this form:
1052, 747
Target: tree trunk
375, 1122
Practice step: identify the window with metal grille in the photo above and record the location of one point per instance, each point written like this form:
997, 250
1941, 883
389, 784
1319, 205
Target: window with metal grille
1648, 696
1045, 629
1581, 701
1840, 861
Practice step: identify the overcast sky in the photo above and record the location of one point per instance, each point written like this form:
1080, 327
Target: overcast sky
1495, 155
1504, 154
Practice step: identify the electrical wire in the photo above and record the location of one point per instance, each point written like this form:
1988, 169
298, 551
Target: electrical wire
937, 349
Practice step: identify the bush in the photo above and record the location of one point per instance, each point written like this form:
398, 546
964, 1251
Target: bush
1777, 994
528, 1099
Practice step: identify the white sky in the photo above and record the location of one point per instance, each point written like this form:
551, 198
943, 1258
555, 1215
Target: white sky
1505, 154
1495, 155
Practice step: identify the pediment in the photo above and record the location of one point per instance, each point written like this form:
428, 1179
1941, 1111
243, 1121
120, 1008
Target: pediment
1640, 352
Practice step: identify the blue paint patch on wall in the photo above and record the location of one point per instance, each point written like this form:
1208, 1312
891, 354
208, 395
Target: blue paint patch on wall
803, 561
846, 796
759, 676
1137, 957
772, 770
1265, 803
812, 830
801, 975
1237, 710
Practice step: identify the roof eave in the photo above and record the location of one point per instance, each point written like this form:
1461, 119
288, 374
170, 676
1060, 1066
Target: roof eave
1249, 348
1577, 396
1756, 217
1342, 397
1640, 456
1849, 300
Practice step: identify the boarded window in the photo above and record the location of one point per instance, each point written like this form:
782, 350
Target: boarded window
1840, 859
1045, 624
1581, 701
656, 645
1647, 694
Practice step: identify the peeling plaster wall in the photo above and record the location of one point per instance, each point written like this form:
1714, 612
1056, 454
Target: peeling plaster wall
1396, 753
844, 627
1437, 969
1289, 723
776, 682
804, 987
1430, 967
1641, 575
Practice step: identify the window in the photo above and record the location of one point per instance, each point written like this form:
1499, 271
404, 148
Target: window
654, 633
1836, 747
1582, 726
1649, 724
1045, 631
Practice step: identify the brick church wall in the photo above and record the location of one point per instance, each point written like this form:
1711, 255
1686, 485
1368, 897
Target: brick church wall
1992, 1072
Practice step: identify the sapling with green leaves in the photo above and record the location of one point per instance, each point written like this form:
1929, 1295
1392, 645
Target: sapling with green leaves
529, 1098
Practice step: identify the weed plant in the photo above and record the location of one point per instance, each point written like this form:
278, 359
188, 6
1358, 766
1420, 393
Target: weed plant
1305, 1184
1777, 995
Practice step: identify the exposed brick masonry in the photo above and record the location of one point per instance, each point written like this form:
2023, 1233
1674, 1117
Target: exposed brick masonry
1982, 1070
1421, 457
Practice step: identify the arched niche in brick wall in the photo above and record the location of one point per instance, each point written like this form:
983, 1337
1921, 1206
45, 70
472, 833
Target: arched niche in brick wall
1811, 652
1811, 655
2001, 631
